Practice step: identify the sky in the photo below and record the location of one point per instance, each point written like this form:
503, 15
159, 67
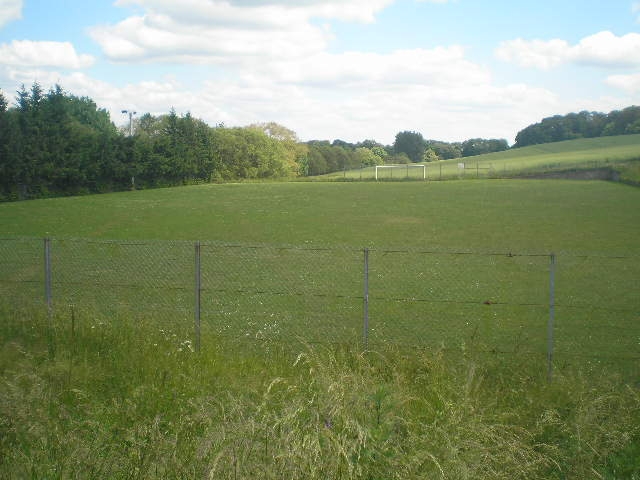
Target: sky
332, 69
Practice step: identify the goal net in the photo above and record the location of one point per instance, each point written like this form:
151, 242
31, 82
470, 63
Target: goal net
401, 171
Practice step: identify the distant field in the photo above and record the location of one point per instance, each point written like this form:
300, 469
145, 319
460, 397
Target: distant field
620, 153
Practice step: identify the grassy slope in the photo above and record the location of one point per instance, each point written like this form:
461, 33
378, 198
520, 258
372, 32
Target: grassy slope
589, 153
527, 215
601, 150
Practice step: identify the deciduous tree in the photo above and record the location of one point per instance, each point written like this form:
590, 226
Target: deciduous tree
412, 144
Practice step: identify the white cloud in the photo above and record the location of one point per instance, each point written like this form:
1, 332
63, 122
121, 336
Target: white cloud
353, 95
275, 64
10, 10
155, 97
349, 111
441, 66
283, 71
603, 49
222, 32
533, 53
607, 49
27, 53
155, 37
262, 11
442, 113
628, 83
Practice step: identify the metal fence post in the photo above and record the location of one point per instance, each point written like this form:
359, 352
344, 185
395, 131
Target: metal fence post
49, 297
552, 315
198, 279
47, 276
365, 333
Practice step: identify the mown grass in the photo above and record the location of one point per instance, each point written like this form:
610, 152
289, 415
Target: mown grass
511, 215
116, 400
619, 153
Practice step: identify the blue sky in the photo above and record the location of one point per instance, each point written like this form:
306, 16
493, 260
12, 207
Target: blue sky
348, 69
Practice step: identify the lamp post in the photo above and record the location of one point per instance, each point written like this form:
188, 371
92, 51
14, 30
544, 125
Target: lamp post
131, 113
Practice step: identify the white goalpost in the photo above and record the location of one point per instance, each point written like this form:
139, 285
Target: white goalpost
403, 167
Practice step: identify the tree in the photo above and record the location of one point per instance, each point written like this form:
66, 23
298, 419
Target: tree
302, 159
445, 150
479, 146
57, 143
341, 143
275, 130
3, 103
381, 153
398, 159
317, 165
579, 125
366, 157
27, 151
430, 155
370, 144
295, 154
412, 144
249, 153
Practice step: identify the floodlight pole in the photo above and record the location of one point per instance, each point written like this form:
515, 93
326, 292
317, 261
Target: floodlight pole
131, 113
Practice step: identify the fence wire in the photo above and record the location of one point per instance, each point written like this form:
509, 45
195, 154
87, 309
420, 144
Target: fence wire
492, 301
22, 271
497, 302
282, 292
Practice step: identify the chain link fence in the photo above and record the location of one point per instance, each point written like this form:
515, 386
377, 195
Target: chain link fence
568, 307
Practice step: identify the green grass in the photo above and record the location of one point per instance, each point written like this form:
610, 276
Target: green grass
497, 215
421, 291
122, 400
451, 387
620, 153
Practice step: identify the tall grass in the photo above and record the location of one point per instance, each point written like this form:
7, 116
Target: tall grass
123, 399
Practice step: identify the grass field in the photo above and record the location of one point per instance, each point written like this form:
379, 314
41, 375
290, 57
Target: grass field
620, 153
126, 397
522, 216
422, 291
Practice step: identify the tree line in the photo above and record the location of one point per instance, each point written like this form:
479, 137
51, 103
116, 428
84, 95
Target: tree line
55, 143
408, 147
581, 125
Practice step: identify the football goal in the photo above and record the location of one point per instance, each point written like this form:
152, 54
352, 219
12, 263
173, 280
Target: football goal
402, 170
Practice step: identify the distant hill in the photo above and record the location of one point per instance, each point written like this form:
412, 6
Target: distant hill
581, 125
615, 157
